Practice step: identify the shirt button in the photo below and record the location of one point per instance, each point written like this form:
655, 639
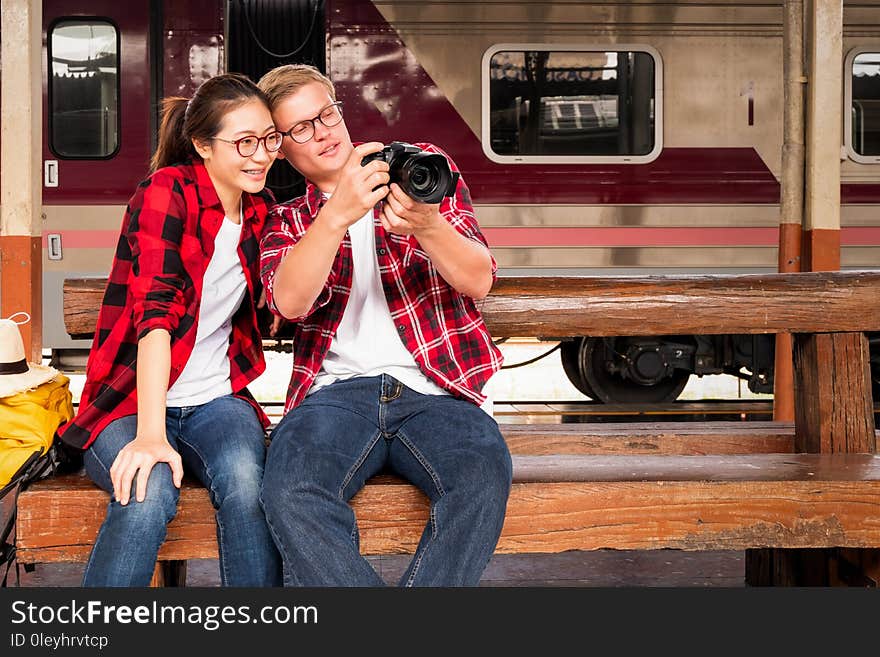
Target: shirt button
381, 251
401, 328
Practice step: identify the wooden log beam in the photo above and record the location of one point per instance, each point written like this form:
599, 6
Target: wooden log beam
82, 301
663, 305
556, 504
646, 305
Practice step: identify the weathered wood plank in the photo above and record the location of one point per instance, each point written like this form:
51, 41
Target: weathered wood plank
652, 515
685, 438
555, 307
833, 406
58, 520
639, 502
709, 468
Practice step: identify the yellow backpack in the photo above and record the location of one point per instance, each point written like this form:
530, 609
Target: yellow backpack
28, 421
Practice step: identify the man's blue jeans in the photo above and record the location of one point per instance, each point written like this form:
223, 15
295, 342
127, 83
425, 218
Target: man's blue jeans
222, 444
323, 452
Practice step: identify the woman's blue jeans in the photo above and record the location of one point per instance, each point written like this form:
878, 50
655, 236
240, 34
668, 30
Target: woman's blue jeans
324, 450
222, 444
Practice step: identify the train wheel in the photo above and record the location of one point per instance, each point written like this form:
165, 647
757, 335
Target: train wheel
570, 356
611, 388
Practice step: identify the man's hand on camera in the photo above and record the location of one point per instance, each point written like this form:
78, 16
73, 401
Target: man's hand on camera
359, 187
403, 215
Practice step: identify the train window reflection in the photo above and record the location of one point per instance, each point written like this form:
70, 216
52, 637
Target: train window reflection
572, 103
865, 107
84, 89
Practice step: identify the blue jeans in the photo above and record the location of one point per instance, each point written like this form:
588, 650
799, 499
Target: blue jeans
323, 452
222, 444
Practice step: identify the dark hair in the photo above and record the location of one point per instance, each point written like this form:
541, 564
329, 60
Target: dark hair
201, 116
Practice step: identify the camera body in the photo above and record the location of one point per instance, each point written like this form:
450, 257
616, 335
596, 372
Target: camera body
425, 177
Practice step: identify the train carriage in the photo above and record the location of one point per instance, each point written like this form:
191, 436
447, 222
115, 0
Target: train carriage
596, 139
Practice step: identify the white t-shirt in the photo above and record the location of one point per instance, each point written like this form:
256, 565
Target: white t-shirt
206, 374
366, 342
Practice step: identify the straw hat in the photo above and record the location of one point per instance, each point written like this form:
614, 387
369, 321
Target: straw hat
16, 374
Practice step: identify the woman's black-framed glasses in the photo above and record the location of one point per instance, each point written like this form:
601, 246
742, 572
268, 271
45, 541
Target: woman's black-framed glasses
303, 131
247, 146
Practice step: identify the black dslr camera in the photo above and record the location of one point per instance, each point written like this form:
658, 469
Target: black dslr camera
425, 177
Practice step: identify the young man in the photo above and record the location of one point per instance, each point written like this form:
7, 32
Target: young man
390, 355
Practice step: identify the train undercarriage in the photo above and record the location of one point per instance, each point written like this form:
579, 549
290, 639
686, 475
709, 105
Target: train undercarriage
653, 370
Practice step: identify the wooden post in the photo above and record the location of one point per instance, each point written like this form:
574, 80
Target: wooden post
833, 413
21, 265
825, 89
791, 207
833, 394
832, 383
169, 573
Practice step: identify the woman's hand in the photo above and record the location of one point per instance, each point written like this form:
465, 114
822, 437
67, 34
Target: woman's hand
138, 458
277, 322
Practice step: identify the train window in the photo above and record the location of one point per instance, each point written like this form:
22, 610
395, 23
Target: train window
84, 88
571, 104
862, 91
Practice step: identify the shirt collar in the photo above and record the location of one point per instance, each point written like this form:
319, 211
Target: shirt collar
314, 198
207, 194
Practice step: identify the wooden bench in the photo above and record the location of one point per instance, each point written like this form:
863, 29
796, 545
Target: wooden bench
757, 487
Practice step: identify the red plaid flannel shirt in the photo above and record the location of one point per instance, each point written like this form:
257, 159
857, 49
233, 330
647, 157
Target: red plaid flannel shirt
155, 282
441, 328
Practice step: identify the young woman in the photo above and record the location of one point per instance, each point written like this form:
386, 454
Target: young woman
177, 343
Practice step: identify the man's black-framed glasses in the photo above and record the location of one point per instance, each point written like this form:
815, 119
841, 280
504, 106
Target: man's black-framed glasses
304, 130
247, 146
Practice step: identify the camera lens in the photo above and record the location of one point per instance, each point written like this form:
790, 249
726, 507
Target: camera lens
425, 177
422, 179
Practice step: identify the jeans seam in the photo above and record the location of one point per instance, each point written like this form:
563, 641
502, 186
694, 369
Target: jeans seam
423, 461
279, 542
223, 569
100, 462
432, 518
360, 461
224, 574
354, 534
310, 402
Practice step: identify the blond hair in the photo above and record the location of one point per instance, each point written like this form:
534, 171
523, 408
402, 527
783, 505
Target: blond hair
283, 81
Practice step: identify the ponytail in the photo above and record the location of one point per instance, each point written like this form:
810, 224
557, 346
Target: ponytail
174, 147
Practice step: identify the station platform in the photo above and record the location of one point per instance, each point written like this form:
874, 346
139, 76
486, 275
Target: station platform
601, 568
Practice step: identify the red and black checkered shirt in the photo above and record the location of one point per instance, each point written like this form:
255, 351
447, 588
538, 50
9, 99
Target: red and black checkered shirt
155, 282
440, 327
